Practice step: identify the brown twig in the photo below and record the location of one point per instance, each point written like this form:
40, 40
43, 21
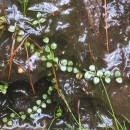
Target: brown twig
30, 78
57, 86
106, 25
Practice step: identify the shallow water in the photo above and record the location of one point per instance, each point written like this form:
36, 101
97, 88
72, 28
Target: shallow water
79, 30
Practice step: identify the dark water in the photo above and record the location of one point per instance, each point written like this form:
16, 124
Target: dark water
78, 28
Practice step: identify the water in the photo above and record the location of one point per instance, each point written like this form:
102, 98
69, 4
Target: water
79, 30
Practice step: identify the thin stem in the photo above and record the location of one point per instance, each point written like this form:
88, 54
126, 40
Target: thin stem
113, 114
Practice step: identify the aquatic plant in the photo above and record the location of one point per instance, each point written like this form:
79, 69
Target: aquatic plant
23, 4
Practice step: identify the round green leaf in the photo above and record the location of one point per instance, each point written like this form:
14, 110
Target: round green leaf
32, 47
107, 73
48, 64
75, 70
117, 74
63, 68
96, 80
23, 117
92, 67
70, 63
119, 80
21, 112
43, 58
38, 102
50, 56
44, 96
87, 75
39, 110
29, 110
35, 108
56, 59
99, 73
39, 15
11, 29
64, 62
48, 101
4, 120
19, 38
43, 105
42, 20
35, 22
53, 46
69, 69
10, 123
21, 32
47, 49
27, 44
37, 53
12, 115
46, 40
32, 116
107, 80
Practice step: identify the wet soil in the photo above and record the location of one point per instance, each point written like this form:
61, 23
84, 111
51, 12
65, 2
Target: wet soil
78, 27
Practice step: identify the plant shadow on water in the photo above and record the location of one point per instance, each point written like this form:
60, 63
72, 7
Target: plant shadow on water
68, 35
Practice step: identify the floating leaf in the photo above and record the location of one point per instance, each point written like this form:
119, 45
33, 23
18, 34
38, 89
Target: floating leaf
1, 26
70, 63
92, 67
48, 101
69, 69
107, 73
117, 74
96, 80
39, 110
44, 96
107, 80
42, 20
49, 64
38, 102
37, 53
4, 120
75, 70
53, 46
64, 62
63, 68
43, 105
35, 22
46, 40
119, 80
99, 73
29, 110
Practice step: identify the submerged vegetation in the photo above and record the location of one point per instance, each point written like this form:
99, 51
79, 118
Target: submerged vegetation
54, 63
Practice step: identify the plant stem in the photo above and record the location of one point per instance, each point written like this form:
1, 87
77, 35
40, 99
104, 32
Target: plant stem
113, 114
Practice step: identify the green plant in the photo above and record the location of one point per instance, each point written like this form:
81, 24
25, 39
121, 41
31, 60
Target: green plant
23, 4
3, 88
95, 75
